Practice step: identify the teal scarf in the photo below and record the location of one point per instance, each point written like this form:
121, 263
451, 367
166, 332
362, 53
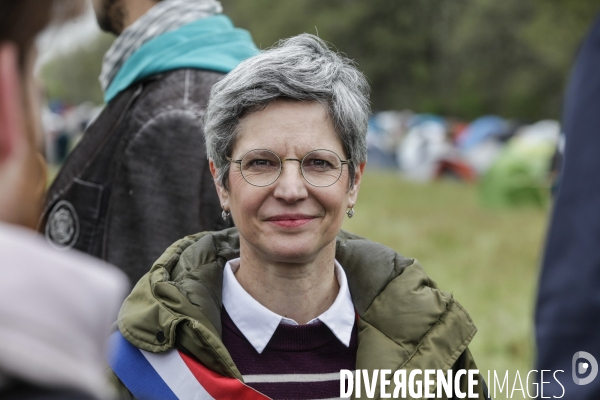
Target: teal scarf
211, 43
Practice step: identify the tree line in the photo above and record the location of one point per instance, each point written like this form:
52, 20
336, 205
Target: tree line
462, 58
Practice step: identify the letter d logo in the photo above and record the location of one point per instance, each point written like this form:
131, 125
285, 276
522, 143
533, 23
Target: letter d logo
583, 367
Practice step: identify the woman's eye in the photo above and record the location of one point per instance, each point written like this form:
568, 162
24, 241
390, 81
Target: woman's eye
259, 163
318, 163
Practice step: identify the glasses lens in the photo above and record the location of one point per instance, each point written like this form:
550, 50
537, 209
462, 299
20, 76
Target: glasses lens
260, 167
321, 167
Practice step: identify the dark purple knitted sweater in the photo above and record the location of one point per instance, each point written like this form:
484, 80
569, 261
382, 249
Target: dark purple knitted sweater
300, 361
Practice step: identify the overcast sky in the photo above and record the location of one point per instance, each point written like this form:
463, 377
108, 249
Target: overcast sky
77, 32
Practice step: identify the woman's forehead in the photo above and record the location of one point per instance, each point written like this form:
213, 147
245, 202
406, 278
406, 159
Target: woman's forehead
286, 125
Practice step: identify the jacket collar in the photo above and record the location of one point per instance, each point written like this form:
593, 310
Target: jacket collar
405, 320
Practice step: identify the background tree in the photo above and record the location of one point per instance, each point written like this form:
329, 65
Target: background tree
458, 57
72, 77
463, 58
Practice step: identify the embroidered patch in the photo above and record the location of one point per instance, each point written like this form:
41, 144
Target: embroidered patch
62, 228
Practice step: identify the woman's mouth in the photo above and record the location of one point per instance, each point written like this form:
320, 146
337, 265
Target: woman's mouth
290, 220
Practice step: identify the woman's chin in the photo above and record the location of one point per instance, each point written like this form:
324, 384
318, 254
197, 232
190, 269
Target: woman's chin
292, 250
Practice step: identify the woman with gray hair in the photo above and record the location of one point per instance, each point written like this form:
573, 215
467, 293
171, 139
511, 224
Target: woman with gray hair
279, 305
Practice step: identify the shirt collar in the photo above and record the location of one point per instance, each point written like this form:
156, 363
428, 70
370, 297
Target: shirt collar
258, 324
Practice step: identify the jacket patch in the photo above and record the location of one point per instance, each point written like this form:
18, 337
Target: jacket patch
62, 228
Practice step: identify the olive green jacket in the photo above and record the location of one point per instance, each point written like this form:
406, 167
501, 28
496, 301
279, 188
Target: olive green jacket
405, 321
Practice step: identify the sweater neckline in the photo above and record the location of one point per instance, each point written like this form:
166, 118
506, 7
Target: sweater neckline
290, 337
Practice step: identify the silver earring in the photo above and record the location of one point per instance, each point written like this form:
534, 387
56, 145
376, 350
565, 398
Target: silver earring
225, 214
350, 212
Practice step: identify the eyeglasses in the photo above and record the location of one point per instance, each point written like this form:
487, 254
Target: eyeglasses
262, 167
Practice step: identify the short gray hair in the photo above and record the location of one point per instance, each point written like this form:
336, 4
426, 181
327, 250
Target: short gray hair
299, 68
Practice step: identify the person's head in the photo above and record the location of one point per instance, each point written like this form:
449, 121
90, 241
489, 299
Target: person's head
290, 100
115, 15
22, 168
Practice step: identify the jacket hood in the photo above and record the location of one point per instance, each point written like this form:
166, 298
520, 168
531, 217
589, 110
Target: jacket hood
405, 321
211, 43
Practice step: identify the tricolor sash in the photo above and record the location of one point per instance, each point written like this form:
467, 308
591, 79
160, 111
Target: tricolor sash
171, 375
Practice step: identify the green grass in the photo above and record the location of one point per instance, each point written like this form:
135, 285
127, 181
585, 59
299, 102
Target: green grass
489, 259
52, 171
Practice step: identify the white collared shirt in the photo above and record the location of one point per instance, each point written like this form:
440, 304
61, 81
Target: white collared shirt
258, 324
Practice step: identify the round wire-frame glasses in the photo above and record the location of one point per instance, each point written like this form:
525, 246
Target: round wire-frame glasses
262, 167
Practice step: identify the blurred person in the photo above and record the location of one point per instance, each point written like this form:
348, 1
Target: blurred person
568, 304
55, 309
278, 306
139, 179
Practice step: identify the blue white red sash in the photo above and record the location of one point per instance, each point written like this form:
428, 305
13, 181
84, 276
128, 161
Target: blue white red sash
171, 375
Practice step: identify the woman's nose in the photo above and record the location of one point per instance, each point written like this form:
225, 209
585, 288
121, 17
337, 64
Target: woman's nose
291, 185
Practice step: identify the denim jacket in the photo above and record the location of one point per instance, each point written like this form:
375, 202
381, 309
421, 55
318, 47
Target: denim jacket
139, 179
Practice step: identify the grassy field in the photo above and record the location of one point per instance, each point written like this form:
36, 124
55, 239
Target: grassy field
489, 259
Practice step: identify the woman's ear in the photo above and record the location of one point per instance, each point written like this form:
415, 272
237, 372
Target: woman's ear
358, 173
221, 191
